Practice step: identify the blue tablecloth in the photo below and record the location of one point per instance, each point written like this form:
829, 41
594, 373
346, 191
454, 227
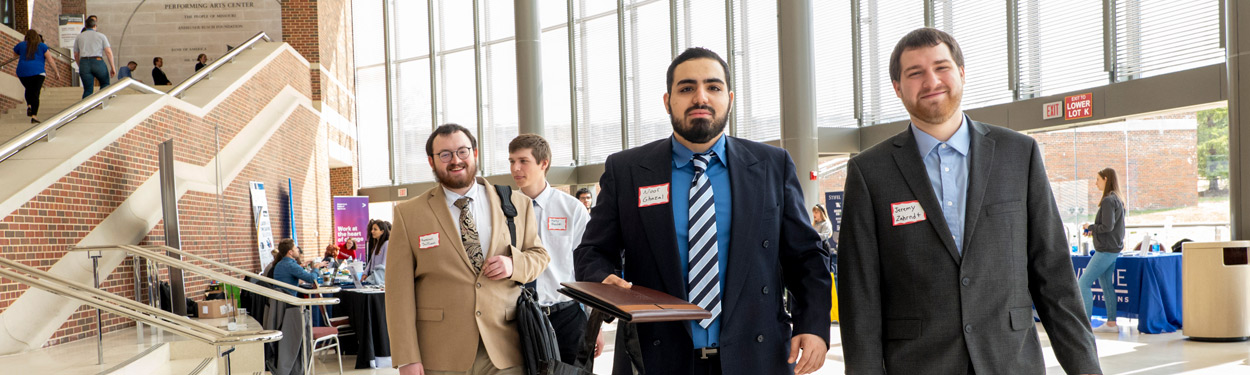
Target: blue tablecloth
1147, 288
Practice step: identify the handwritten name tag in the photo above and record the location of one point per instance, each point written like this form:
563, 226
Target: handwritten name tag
428, 241
907, 213
557, 223
652, 195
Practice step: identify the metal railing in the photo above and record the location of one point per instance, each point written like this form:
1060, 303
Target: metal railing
251, 287
100, 299
223, 60
297, 288
47, 129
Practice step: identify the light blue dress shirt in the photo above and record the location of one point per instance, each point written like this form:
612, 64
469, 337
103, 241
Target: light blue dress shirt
947, 166
683, 177
123, 72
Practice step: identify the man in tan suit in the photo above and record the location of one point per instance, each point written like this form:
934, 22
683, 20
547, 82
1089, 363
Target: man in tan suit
453, 276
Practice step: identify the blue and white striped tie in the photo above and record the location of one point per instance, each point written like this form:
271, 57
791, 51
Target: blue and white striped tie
703, 284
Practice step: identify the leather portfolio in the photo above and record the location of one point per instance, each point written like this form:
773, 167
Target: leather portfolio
634, 305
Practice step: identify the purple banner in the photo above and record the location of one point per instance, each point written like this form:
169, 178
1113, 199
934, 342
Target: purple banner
351, 219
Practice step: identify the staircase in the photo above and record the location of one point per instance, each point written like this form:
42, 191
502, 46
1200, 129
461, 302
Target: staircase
52, 100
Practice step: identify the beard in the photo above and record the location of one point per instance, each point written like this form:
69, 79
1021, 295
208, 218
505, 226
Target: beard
935, 113
700, 130
444, 177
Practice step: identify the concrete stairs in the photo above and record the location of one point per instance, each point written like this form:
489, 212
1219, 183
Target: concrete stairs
52, 100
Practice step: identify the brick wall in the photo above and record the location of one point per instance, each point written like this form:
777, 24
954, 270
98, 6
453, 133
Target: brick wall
343, 181
1157, 169
74, 6
39, 232
45, 19
300, 29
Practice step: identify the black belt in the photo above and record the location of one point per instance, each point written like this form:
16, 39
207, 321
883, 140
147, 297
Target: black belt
92, 58
706, 353
548, 310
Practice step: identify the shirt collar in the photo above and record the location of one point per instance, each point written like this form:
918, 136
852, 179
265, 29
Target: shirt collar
682, 155
453, 197
543, 197
960, 141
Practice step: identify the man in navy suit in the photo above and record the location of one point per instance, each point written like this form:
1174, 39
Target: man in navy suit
720, 222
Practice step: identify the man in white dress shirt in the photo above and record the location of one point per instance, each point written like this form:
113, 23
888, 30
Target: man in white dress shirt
561, 221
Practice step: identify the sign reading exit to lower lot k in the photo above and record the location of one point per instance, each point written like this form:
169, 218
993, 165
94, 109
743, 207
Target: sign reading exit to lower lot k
1078, 106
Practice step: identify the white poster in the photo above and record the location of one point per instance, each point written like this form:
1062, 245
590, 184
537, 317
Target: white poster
70, 25
260, 216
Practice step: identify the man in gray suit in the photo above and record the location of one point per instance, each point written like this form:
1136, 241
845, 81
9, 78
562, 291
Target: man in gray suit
950, 236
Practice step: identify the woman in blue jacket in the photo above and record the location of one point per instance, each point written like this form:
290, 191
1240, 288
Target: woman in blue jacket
32, 55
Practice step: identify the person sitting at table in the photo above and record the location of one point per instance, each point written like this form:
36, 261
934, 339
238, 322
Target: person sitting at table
347, 249
331, 256
289, 270
1108, 233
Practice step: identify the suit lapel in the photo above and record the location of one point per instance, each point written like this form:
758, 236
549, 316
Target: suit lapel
979, 166
744, 172
437, 201
657, 220
911, 165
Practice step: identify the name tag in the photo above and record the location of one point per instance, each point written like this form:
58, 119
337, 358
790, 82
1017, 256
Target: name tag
907, 213
428, 241
557, 223
652, 195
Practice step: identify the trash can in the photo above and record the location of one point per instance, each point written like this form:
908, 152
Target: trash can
1216, 291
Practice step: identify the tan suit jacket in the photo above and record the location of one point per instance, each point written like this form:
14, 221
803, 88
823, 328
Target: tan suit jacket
437, 305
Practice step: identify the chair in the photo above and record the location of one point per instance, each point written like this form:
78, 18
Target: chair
325, 338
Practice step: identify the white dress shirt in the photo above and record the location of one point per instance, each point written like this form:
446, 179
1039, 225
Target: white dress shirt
481, 214
561, 221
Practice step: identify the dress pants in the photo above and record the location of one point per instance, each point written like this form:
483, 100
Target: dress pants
482, 366
570, 325
710, 366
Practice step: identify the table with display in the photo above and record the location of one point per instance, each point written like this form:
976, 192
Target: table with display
1147, 288
366, 312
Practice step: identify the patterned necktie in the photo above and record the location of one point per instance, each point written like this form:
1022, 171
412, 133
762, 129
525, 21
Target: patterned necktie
703, 283
468, 233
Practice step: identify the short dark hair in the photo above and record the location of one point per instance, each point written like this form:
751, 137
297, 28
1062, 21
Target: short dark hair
155, 59
923, 37
132, 62
91, 22
285, 246
581, 191
537, 146
447, 129
696, 53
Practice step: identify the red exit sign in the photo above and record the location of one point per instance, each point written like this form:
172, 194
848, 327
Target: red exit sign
1052, 110
1078, 106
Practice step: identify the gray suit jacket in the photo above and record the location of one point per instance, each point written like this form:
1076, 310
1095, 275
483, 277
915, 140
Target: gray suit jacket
911, 304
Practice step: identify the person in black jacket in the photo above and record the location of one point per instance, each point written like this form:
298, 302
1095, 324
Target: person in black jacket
158, 75
1108, 233
201, 62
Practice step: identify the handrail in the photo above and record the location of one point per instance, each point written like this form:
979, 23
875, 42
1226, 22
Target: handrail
9, 61
254, 288
297, 288
131, 309
48, 128
208, 70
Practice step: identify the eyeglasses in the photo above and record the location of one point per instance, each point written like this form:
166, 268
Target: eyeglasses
462, 153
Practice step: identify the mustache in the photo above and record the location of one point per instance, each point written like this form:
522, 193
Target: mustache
457, 165
701, 107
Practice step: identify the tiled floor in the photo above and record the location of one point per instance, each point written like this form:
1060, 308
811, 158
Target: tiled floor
1130, 352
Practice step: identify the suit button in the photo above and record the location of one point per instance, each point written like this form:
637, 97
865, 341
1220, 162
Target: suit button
479, 285
966, 281
765, 244
759, 338
765, 290
656, 343
479, 313
968, 328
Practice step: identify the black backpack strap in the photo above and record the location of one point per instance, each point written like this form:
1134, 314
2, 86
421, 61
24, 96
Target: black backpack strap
509, 211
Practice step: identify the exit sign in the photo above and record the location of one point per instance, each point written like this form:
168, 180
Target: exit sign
1078, 106
1052, 110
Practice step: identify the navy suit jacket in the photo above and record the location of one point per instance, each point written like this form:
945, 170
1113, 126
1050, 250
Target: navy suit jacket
772, 248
